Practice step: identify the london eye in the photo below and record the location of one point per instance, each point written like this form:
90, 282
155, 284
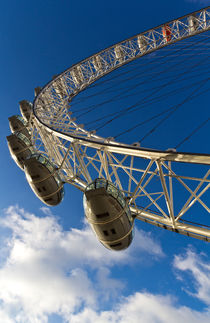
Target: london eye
122, 181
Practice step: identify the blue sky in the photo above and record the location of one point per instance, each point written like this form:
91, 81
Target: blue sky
52, 268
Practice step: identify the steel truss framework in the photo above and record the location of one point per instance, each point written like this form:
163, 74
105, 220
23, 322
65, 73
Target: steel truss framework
160, 186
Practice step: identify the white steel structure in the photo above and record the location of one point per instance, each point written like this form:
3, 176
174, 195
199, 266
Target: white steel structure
150, 179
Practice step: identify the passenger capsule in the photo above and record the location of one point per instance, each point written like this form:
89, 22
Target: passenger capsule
193, 24
37, 90
142, 43
20, 148
25, 109
108, 214
167, 34
77, 75
97, 63
44, 179
119, 53
17, 123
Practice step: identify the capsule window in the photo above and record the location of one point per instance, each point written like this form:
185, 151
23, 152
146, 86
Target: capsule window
102, 215
35, 176
49, 199
115, 245
105, 232
112, 190
121, 199
100, 182
90, 187
113, 231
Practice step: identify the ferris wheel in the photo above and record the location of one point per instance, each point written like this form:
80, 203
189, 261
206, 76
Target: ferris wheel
121, 182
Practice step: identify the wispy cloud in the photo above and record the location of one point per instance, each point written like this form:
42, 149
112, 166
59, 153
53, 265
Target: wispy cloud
46, 210
199, 268
143, 308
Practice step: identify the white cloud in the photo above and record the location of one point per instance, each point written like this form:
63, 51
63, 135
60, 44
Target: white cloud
51, 271
45, 235
143, 308
199, 268
47, 270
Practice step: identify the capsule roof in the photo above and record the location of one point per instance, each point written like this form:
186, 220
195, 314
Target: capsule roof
42, 159
110, 188
17, 116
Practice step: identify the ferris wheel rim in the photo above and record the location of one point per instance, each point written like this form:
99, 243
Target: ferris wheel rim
169, 155
107, 143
